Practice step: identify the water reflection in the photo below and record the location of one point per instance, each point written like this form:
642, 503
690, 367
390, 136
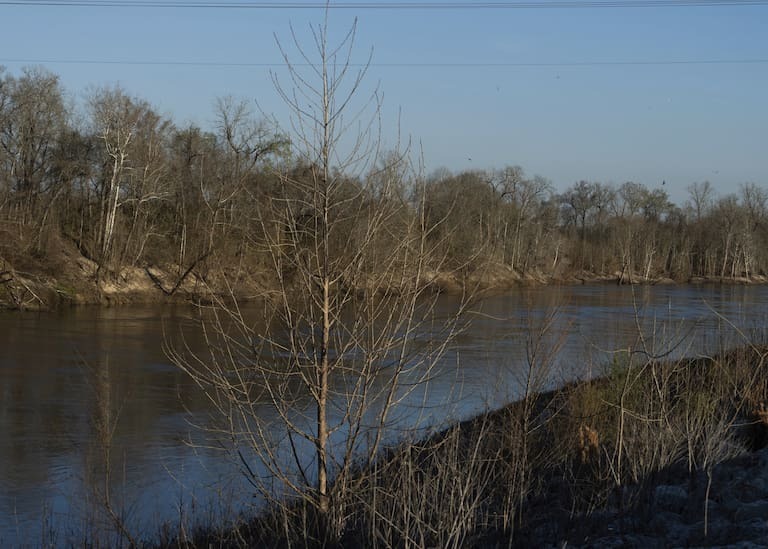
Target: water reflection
77, 381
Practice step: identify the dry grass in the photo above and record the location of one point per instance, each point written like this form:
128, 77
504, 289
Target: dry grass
471, 485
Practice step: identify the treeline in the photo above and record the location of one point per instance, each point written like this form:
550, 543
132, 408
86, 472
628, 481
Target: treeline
121, 181
628, 229
126, 186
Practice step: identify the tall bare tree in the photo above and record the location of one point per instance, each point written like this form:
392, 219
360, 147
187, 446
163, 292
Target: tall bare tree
351, 330
32, 117
116, 118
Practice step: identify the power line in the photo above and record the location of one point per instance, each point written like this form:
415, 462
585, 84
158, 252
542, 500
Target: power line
244, 4
555, 64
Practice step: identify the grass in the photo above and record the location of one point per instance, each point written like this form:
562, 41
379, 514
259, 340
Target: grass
537, 470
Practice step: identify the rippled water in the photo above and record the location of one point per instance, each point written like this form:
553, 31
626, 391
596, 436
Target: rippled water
64, 375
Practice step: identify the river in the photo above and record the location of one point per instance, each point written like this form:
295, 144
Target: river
92, 409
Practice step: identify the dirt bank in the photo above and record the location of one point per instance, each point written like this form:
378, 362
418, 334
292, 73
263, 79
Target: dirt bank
76, 280
72, 279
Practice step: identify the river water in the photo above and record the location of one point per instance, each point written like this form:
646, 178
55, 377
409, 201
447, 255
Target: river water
92, 410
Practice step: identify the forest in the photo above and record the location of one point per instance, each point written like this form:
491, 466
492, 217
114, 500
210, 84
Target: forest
112, 180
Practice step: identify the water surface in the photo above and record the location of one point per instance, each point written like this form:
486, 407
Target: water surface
91, 408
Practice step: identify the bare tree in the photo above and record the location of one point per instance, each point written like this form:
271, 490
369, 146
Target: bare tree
701, 198
32, 116
460, 213
754, 201
246, 144
116, 118
522, 195
578, 203
700, 205
351, 330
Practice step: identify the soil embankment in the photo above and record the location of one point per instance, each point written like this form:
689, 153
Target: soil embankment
76, 280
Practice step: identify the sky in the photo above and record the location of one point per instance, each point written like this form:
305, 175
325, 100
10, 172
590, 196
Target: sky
674, 94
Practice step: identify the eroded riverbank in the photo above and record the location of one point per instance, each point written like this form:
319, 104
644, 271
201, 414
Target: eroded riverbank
76, 280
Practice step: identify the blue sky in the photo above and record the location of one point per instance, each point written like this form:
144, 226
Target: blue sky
649, 123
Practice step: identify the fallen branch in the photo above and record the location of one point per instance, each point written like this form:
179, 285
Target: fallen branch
30, 292
159, 283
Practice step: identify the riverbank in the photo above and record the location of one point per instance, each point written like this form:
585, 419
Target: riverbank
650, 454
77, 280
